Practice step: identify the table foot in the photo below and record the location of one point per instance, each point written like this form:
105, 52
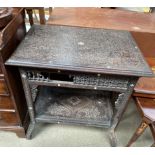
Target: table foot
30, 130
112, 137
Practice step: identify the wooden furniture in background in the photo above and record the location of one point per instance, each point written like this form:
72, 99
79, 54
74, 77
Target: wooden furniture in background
5, 16
104, 18
41, 15
41, 11
145, 41
145, 101
13, 109
141, 25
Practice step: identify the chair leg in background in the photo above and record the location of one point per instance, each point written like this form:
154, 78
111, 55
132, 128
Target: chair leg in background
152, 128
138, 132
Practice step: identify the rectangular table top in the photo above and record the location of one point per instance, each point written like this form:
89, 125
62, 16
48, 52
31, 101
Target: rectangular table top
80, 49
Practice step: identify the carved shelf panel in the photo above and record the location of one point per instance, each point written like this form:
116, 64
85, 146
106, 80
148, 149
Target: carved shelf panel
76, 106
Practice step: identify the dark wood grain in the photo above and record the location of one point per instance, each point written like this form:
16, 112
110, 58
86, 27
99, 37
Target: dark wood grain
5, 16
11, 28
41, 14
13, 110
3, 88
30, 14
6, 103
8, 119
1, 71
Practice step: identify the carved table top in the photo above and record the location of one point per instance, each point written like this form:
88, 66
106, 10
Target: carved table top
80, 49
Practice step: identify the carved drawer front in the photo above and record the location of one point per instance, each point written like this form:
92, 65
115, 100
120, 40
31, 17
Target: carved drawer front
8, 118
3, 87
6, 103
102, 80
89, 81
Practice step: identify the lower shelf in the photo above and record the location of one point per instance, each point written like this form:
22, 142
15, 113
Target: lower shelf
75, 106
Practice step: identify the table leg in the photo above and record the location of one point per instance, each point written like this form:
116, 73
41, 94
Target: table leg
113, 138
120, 106
29, 101
30, 130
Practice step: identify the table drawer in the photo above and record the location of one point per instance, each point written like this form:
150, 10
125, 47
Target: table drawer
3, 87
79, 80
8, 118
6, 103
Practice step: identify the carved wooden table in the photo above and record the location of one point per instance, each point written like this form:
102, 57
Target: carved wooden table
78, 75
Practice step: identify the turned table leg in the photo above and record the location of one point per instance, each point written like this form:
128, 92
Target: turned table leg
138, 132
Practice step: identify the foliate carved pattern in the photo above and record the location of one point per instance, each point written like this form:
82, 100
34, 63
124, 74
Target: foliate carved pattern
34, 91
91, 80
104, 81
80, 113
101, 49
37, 76
123, 99
28, 95
119, 99
75, 104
